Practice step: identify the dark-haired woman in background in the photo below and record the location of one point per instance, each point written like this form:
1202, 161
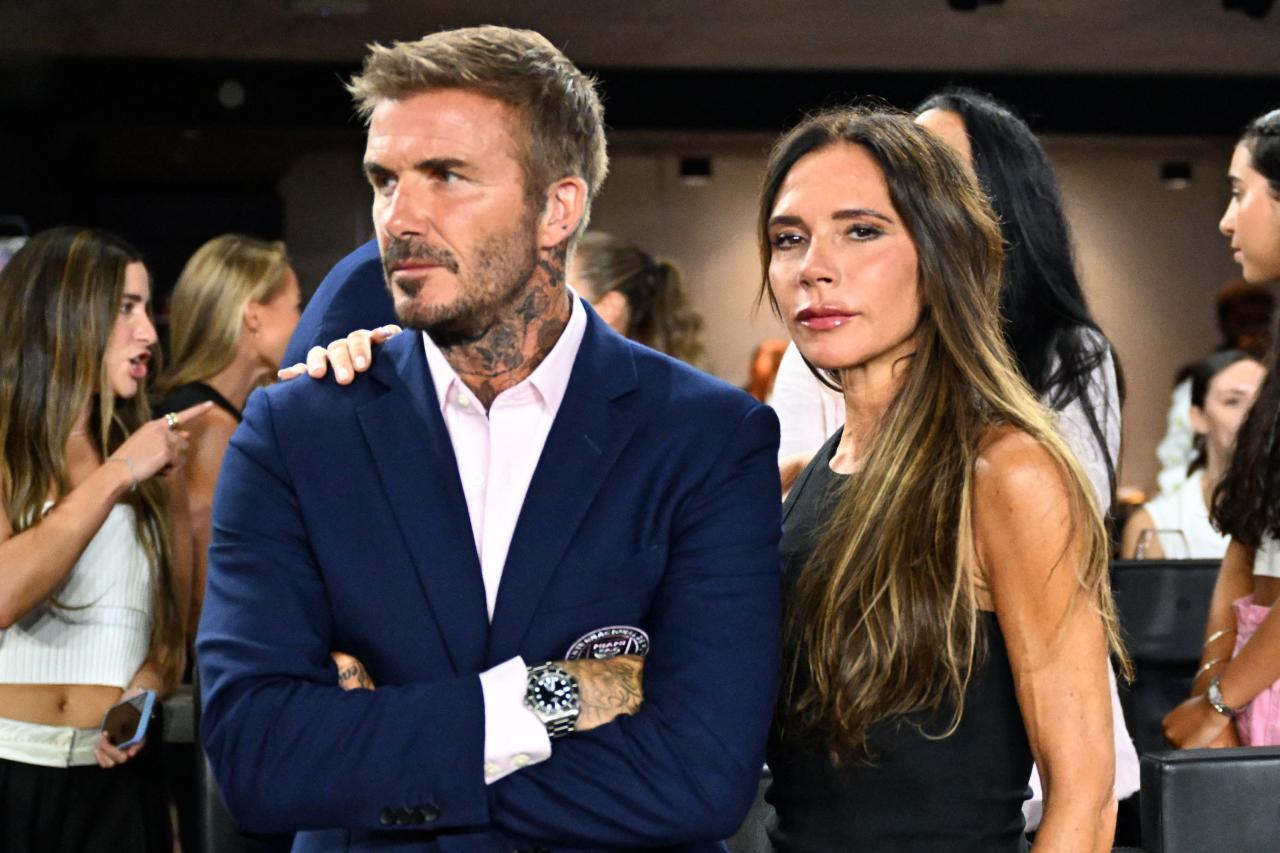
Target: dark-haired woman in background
1240, 667
1223, 387
1056, 344
92, 589
948, 615
639, 296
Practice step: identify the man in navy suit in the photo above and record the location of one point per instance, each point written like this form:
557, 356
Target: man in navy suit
512, 494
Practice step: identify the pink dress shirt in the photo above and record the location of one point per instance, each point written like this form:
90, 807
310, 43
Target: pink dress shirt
502, 447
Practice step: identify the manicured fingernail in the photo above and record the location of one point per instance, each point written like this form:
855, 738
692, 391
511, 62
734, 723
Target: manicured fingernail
340, 374
360, 362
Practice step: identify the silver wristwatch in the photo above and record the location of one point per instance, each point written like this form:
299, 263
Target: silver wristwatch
552, 693
1214, 695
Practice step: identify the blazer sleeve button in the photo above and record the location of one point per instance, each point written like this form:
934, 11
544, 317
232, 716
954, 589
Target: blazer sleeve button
429, 812
386, 818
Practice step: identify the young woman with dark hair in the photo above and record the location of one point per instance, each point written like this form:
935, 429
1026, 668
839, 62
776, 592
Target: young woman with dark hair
92, 592
1222, 389
949, 616
1240, 668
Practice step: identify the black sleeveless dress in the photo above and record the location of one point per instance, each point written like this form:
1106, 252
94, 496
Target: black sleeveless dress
959, 794
186, 396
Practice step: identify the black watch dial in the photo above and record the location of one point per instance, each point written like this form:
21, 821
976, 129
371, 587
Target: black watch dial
552, 693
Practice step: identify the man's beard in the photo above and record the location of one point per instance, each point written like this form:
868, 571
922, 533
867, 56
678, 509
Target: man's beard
502, 266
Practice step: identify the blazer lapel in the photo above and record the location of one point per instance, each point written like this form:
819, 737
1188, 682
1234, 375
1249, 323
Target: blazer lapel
410, 446
582, 447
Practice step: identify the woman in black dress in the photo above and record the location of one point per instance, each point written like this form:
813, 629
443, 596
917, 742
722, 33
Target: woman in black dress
948, 613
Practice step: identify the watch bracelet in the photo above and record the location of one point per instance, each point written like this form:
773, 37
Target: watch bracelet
1213, 695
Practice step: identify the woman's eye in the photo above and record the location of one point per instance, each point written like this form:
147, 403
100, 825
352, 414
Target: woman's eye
787, 240
864, 232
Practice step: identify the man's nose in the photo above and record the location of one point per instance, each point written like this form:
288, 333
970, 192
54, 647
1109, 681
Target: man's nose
407, 211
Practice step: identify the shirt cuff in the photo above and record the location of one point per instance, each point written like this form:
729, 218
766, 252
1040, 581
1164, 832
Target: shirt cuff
514, 737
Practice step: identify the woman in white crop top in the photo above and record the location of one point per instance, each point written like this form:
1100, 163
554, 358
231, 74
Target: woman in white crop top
1223, 387
1239, 677
92, 596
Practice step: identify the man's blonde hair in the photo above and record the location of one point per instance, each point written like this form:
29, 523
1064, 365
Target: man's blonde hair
519, 68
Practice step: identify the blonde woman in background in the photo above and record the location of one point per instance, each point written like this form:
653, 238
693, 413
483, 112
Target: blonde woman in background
231, 314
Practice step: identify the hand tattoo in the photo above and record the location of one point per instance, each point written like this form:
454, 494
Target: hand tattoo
355, 677
607, 688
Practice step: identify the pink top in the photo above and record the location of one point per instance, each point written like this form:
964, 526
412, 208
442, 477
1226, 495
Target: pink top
503, 446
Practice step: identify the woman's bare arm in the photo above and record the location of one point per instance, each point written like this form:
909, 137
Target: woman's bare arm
1029, 553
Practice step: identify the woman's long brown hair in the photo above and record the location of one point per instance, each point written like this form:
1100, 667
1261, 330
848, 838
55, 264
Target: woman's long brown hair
59, 297
883, 621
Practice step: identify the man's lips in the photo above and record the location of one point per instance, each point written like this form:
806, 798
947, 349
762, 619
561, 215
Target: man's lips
415, 266
824, 317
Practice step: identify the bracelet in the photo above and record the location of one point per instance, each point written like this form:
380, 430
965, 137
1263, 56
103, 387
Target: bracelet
1218, 635
1209, 664
132, 473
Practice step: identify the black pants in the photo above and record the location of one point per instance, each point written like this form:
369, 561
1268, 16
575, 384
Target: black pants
82, 809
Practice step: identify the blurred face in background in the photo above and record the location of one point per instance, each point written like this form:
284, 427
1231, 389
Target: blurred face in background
272, 322
128, 355
950, 128
1252, 220
1227, 401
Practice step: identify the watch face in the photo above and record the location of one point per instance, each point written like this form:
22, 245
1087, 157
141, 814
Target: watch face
552, 694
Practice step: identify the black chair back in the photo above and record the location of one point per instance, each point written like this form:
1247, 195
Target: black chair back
1162, 606
1198, 800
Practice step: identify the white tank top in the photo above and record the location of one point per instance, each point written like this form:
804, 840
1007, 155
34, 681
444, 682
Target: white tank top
104, 642
1183, 509
1266, 560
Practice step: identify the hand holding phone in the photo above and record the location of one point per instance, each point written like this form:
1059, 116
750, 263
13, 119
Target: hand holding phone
125, 723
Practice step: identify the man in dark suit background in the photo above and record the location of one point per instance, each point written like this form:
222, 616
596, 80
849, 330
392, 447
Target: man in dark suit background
353, 296
498, 493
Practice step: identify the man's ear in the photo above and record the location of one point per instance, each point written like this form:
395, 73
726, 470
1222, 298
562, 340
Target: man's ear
566, 202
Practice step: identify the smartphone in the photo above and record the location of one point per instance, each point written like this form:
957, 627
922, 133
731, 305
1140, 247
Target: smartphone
126, 722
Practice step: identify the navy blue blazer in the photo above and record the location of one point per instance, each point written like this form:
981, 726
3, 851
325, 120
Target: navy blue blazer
352, 296
340, 524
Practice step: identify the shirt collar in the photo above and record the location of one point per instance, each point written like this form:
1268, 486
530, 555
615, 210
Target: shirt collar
549, 380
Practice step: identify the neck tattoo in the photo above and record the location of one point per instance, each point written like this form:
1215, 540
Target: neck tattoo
518, 341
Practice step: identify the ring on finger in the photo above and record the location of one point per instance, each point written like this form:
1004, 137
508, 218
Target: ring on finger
172, 420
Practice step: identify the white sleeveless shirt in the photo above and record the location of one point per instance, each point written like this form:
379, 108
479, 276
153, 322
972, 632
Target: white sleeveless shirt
1183, 509
103, 632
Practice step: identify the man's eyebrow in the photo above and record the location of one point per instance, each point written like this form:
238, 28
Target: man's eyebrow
432, 164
